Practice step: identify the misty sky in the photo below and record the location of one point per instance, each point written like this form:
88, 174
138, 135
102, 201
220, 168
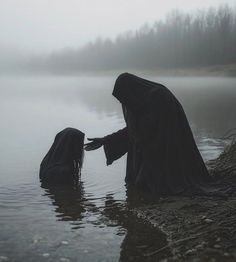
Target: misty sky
46, 25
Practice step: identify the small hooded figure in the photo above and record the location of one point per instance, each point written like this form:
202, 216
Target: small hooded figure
162, 155
63, 162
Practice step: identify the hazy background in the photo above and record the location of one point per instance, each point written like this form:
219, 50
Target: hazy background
68, 36
47, 49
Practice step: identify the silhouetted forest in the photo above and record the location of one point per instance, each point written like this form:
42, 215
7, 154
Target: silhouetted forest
181, 40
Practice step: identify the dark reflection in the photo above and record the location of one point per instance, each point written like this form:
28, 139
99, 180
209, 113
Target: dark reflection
141, 239
69, 201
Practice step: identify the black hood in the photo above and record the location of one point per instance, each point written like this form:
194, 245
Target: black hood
67, 146
132, 91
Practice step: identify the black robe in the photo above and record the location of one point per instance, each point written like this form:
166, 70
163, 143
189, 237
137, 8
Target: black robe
162, 155
64, 159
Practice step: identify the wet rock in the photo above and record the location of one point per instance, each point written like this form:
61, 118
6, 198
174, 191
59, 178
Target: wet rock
92, 219
164, 260
200, 246
208, 221
190, 251
139, 215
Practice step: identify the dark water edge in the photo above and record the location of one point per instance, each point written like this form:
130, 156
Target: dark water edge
112, 226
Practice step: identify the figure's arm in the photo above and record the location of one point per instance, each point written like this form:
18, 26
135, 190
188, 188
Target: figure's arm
115, 145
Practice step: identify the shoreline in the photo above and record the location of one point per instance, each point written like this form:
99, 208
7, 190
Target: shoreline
201, 228
228, 70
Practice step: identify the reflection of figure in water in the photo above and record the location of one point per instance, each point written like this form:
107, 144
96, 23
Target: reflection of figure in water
63, 162
140, 238
59, 174
68, 199
162, 155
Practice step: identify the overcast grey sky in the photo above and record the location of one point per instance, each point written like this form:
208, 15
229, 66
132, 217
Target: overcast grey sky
45, 25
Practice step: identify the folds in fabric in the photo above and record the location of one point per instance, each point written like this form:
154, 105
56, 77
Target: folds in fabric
64, 159
162, 154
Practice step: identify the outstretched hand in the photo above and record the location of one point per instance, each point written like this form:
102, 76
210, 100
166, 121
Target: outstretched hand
95, 144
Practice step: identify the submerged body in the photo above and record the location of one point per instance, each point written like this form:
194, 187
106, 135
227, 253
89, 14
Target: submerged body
162, 155
63, 162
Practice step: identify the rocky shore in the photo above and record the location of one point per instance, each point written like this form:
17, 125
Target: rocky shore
201, 228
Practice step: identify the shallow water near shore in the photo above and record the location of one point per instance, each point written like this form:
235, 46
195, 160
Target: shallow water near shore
90, 222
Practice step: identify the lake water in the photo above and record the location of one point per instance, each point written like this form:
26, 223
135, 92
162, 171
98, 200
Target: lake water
89, 222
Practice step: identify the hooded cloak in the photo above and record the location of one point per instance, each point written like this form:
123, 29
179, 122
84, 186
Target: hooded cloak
64, 160
162, 155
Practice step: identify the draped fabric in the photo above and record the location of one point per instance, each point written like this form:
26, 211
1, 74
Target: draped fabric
64, 159
162, 155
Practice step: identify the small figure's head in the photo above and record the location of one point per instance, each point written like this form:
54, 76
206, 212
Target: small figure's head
64, 160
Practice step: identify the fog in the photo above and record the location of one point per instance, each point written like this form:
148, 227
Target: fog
97, 35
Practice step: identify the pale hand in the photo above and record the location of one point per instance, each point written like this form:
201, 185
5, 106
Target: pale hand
95, 144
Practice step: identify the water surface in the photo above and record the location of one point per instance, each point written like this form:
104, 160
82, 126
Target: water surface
89, 222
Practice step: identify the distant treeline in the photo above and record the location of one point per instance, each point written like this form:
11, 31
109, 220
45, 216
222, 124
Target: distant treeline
203, 38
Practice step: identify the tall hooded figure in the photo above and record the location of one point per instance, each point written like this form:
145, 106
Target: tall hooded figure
63, 162
162, 155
